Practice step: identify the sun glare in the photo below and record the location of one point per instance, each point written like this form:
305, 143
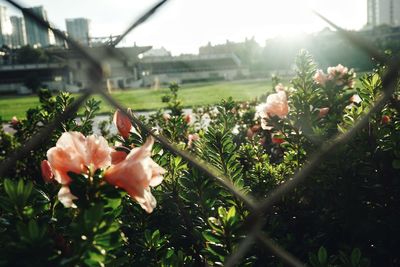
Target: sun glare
286, 18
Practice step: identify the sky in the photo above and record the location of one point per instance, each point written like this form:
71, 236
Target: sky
182, 26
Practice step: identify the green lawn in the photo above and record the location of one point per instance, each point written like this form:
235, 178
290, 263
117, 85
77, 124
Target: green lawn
150, 99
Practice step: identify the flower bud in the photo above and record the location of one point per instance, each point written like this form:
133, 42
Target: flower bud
323, 112
277, 140
385, 119
188, 118
123, 123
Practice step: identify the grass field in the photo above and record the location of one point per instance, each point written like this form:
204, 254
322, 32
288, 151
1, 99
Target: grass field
150, 99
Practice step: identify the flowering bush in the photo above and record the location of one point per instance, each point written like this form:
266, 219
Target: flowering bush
87, 200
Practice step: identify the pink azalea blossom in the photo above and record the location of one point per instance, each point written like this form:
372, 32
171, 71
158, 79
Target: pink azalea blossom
323, 112
166, 116
188, 118
277, 140
385, 119
117, 156
136, 173
14, 121
279, 87
339, 70
320, 77
47, 173
252, 131
66, 197
192, 138
338, 76
276, 105
123, 123
355, 99
76, 153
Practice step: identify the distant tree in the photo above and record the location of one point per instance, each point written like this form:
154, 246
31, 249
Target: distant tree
28, 54
32, 82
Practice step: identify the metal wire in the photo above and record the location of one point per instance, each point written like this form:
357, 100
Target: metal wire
257, 209
141, 19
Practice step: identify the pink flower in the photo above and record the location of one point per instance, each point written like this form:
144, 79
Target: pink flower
188, 118
123, 123
277, 140
166, 116
339, 70
341, 76
385, 119
252, 131
14, 121
351, 83
262, 141
47, 173
192, 138
320, 77
117, 156
66, 197
279, 87
250, 134
76, 153
323, 112
355, 99
276, 105
136, 173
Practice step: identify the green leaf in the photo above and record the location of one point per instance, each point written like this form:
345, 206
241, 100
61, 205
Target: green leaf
10, 190
210, 237
155, 236
147, 235
33, 229
396, 163
27, 192
232, 217
20, 187
322, 255
93, 215
313, 260
355, 257
222, 212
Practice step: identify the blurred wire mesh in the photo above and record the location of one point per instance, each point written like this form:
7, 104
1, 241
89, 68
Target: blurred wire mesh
255, 221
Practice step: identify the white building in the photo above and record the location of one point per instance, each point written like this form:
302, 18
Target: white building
382, 12
157, 52
36, 34
18, 36
78, 29
5, 27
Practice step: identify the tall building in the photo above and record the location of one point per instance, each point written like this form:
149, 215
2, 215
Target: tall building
383, 12
78, 29
18, 35
5, 27
37, 35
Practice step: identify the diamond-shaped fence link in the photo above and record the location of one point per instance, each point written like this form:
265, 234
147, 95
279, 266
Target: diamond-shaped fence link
255, 221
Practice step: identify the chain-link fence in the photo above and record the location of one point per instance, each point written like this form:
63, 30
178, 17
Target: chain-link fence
255, 221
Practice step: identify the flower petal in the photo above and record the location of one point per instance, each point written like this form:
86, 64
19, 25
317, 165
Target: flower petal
66, 197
